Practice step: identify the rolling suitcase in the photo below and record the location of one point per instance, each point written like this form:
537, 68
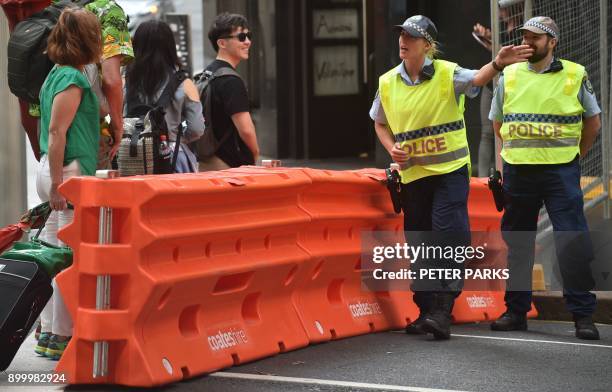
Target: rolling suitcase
26, 271
25, 289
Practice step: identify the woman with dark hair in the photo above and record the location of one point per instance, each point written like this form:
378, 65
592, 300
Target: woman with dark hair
69, 137
155, 62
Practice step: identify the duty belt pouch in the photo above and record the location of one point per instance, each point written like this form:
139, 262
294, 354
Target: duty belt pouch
394, 187
495, 185
135, 155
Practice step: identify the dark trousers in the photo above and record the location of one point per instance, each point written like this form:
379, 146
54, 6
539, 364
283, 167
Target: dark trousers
527, 188
436, 204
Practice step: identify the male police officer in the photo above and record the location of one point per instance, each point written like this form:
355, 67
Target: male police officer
546, 115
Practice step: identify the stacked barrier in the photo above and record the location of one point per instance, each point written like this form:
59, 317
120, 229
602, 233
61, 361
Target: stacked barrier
214, 269
485, 220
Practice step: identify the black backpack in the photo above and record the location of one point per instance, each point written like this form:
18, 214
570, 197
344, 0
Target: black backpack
155, 115
28, 63
207, 145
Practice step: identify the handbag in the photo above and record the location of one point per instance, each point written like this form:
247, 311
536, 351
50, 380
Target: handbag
142, 150
135, 155
51, 258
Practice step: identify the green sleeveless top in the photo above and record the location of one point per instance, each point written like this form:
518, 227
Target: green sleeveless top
83, 136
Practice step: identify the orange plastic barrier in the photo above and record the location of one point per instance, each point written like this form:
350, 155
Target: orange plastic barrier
473, 306
333, 302
488, 305
198, 284
214, 269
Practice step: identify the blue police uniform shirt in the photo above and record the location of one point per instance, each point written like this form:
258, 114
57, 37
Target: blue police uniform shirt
462, 81
586, 97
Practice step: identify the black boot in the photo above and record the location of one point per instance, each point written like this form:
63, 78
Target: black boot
585, 329
416, 327
438, 320
423, 301
510, 321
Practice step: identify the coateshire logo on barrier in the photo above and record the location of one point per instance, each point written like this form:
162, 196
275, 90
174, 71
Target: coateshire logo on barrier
476, 302
224, 339
361, 309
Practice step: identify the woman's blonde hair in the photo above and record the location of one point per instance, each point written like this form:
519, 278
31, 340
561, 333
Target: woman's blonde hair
76, 39
434, 50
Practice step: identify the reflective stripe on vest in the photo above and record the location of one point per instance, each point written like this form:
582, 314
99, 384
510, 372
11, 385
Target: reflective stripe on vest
542, 120
427, 121
435, 159
541, 143
430, 131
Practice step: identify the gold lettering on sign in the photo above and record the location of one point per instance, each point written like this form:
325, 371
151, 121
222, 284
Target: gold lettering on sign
333, 29
329, 70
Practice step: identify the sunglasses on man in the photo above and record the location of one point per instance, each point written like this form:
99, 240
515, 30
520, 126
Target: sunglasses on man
241, 36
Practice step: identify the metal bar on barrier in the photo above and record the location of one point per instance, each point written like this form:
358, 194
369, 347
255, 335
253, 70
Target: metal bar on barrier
544, 223
364, 34
495, 45
543, 218
103, 282
606, 130
528, 11
592, 185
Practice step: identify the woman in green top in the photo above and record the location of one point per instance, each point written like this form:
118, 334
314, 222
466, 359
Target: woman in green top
69, 136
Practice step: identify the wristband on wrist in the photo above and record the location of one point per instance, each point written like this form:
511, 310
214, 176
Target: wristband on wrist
496, 66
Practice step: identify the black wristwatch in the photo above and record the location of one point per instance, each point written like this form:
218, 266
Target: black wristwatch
496, 66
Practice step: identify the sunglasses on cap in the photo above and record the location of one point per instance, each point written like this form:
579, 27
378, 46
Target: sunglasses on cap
241, 36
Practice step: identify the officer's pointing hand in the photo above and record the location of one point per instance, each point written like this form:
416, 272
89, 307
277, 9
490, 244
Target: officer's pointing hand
513, 54
398, 155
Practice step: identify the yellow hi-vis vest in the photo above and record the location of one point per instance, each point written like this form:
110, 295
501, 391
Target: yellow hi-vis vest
542, 120
427, 121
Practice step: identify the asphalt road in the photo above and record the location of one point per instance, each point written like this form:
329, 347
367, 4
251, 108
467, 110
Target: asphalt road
546, 358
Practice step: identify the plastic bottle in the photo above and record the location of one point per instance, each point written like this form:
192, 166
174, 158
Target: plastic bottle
165, 151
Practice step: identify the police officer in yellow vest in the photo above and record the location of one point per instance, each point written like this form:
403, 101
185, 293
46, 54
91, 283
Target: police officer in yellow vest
547, 116
418, 117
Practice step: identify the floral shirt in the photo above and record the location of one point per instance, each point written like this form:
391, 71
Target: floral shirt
115, 35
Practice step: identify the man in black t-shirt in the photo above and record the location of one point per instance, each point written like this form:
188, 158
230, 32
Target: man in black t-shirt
231, 39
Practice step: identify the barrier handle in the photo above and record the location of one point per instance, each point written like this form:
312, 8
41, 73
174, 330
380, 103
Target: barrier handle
103, 282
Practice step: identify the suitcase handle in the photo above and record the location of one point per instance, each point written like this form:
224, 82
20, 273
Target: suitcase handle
42, 226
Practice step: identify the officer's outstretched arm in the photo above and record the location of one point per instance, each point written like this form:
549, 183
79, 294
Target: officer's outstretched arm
507, 55
590, 130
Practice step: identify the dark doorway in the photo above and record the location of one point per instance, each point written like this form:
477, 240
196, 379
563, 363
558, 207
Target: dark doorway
338, 99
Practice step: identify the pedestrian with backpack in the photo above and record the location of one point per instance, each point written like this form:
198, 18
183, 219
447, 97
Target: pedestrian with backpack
229, 139
28, 66
69, 137
152, 75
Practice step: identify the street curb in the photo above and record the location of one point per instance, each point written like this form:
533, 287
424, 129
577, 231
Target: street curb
551, 306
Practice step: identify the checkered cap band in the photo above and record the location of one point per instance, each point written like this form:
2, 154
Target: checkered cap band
429, 131
542, 118
541, 27
421, 31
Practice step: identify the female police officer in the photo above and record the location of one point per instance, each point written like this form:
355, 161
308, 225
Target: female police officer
418, 115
